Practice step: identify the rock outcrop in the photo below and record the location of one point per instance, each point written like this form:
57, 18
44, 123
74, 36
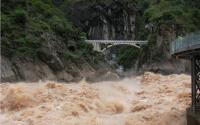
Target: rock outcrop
110, 20
7, 73
49, 64
26, 69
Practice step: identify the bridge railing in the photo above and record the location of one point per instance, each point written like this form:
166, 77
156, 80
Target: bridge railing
117, 41
188, 42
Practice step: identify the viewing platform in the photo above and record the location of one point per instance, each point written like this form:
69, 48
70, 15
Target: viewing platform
187, 46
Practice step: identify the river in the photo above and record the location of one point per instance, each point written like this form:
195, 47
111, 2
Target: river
149, 99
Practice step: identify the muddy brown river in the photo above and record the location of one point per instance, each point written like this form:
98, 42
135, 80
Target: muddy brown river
150, 99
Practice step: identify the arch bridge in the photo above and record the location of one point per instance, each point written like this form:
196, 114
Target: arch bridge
109, 43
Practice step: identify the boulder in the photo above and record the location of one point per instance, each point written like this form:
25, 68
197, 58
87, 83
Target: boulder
64, 76
103, 76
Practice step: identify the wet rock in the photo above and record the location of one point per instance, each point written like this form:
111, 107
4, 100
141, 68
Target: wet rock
103, 76
167, 67
29, 70
86, 69
52, 51
7, 73
53, 61
64, 76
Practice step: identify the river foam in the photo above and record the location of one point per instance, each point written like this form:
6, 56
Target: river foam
150, 99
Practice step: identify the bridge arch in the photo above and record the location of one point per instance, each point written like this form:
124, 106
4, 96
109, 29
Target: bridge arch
113, 45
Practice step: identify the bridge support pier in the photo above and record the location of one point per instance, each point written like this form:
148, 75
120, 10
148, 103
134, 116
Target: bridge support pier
192, 117
196, 84
96, 47
193, 113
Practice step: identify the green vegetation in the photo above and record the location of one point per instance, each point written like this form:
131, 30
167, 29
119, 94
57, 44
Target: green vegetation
127, 56
182, 13
166, 20
160, 22
25, 21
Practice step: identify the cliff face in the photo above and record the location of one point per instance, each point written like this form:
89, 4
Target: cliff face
51, 63
111, 20
129, 20
39, 42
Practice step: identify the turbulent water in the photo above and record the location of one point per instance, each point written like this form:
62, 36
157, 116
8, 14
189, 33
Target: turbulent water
150, 99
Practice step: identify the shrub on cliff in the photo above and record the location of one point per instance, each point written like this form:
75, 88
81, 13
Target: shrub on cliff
24, 22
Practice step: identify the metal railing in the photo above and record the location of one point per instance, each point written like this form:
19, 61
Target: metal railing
190, 41
118, 41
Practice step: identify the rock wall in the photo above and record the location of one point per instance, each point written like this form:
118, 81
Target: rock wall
50, 64
26, 69
110, 20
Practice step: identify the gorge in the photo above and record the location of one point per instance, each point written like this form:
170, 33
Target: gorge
45, 40
52, 72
